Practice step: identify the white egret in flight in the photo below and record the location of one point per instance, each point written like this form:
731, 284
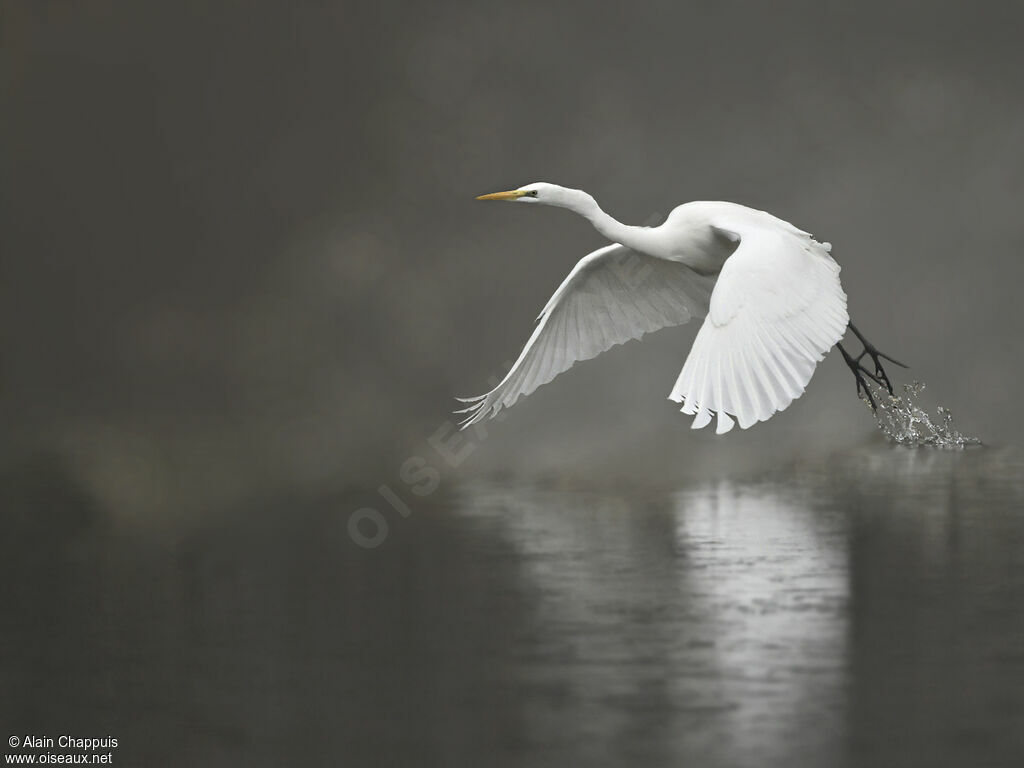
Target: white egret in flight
770, 294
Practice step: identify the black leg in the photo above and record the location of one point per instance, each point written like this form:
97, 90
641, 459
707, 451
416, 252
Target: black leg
876, 357
859, 371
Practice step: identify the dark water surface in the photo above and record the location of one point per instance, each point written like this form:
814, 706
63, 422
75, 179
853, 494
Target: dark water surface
864, 610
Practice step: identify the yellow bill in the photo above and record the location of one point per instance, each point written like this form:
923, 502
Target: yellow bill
511, 195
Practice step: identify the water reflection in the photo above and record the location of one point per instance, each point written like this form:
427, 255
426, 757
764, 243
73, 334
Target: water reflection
710, 625
862, 609
770, 576
800, 618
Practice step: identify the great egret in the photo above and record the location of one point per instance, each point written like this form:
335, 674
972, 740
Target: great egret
770, 293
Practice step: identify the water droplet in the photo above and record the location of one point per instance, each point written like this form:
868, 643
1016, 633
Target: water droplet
905, 421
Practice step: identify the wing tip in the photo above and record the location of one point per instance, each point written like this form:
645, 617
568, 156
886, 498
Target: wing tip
477, 414
725, 424
702, 419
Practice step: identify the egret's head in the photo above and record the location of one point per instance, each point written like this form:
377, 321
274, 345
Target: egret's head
538, 192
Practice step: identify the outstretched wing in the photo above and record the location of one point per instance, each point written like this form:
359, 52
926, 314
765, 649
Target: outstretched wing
776, 310
611, 296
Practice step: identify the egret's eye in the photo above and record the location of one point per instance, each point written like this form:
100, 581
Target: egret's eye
532, 193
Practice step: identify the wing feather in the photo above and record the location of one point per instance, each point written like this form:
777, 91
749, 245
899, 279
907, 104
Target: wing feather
776, 310
611, 296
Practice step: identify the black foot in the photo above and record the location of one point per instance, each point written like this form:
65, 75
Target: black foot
876, 357
859, 372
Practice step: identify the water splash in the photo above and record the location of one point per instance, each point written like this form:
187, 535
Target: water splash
904, 420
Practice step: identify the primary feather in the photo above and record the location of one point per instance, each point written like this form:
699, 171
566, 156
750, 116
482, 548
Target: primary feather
776, 310
611, 296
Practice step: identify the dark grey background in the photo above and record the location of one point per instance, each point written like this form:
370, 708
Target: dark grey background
242, 267
240, 245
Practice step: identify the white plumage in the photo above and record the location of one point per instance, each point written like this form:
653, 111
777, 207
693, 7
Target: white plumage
770, 295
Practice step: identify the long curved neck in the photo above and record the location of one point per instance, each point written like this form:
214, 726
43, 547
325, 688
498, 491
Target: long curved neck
637, 238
